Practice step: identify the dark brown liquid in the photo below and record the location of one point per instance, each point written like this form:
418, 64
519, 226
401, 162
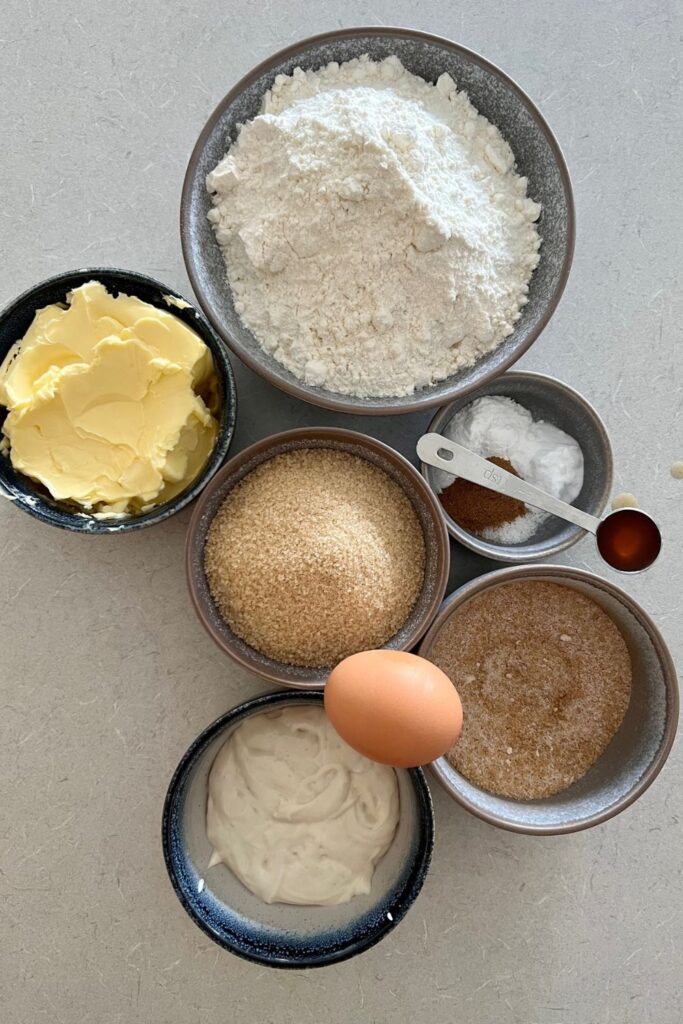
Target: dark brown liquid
629, 540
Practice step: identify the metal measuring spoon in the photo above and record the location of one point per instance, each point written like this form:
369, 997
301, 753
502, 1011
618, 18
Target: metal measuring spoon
627, 539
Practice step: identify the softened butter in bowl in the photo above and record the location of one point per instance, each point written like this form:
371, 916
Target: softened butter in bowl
104, 398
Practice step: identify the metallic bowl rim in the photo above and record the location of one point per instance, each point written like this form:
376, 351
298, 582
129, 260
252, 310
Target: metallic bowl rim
327, 399
562, 572
521, 554
104, 527
342, 434
413, 885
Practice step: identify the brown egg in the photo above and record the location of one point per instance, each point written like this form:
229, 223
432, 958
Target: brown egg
393, 707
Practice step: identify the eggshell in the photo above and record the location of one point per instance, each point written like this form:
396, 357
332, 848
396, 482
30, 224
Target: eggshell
393, 707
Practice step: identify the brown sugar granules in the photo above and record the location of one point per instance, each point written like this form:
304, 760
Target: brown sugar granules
544, 676
476, 508
316, 554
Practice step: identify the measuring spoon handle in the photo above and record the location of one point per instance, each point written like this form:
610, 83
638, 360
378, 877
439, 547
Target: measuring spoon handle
464, 463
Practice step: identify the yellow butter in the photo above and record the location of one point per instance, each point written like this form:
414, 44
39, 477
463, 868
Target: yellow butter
104, 402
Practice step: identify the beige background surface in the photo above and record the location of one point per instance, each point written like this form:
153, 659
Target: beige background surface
106, 676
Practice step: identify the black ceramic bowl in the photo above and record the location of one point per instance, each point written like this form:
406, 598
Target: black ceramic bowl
14, 322
494, 94
278, 934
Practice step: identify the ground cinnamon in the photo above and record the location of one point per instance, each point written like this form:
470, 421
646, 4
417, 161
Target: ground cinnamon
476, 508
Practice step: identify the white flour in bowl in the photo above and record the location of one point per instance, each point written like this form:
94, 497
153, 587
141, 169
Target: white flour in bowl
375, 233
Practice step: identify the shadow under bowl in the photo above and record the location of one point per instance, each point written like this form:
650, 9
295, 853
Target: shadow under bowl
426, 507
494, 94
279, 934
15, 320
549, 399
637, 752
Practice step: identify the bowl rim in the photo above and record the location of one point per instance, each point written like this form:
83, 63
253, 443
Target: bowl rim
560, 573
330, 399
281, 676
516, 555
337, 953
84, 523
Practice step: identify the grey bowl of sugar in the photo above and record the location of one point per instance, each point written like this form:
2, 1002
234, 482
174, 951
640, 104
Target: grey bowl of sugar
494, 94
552, 401
399, 469
638, 750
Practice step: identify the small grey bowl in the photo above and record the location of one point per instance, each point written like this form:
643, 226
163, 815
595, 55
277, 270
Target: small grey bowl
278, 934
426, 507
640, 747
552, 400
493, 93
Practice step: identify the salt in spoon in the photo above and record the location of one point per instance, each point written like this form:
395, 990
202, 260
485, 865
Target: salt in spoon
627, 539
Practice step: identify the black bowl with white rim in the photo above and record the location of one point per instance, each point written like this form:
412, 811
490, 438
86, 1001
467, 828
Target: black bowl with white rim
16, 318
553, 401
494, 94
279, 934
637, 752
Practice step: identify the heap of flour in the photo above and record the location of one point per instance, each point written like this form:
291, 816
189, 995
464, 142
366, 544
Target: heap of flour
375, 233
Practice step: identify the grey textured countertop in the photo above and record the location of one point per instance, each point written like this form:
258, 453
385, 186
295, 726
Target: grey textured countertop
106, 675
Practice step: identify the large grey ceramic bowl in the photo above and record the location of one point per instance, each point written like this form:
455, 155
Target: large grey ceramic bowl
493, 93
426, 507
555, 402
278, 934
640, 747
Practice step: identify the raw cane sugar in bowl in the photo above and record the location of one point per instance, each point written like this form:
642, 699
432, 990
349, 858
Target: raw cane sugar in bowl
315, 555
451, 221
313, 545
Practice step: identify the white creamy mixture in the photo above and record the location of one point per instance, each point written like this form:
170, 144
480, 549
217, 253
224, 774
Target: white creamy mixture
375, 233
297, 814
541, 454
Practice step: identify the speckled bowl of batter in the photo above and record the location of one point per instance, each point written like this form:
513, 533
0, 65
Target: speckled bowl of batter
494, 94
279, 934
636, 753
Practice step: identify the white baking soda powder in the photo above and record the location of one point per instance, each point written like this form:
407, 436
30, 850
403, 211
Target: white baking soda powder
542, 454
